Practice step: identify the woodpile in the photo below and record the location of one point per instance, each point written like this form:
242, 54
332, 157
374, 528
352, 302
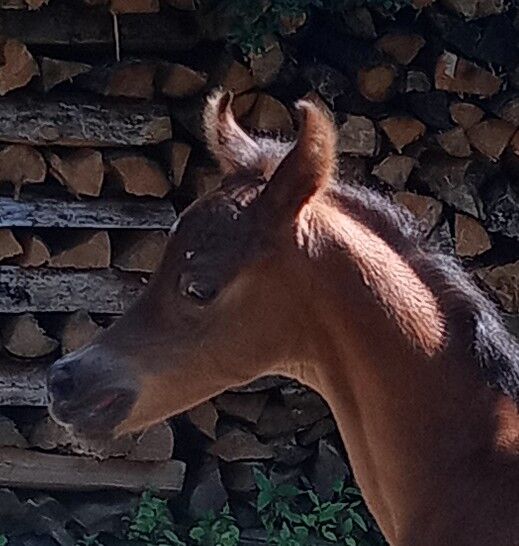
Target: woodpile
101, 145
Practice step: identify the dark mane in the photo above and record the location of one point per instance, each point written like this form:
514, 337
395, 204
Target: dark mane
474, 319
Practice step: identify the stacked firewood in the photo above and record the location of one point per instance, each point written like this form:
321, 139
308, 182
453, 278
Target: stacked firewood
101, 147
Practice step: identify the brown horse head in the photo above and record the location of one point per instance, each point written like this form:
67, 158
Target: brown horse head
221, 309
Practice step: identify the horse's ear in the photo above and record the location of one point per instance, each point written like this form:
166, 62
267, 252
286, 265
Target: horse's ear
310, 165
230, 145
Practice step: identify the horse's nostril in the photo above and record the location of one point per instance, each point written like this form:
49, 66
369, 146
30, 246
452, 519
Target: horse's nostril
62, 382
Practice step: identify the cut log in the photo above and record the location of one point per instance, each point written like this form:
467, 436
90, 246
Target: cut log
466, 114
394, 170
179, 81
235, 77
427, 210
131, 79
10, 436
491, 137
139, 251
56, 71
243, 104
22, 385
80, 171
85, 250
35, 251
472, 10
105, 214
376, 84
179, 153
77, 330
9, 245
17, 66
66, 123
470, 236
204, 417
23, 337
416, 81
266, 65
73, 24
238, 445
23, 469
20, 164
205, 179
49, 290
403, 48
503, 282
138, 175
402, 131
458, 75
246, 407
507, 108
358, 136
269, 114
134, 6
455, 142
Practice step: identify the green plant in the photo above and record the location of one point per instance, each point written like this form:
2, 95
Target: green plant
293, 517
152, 523
3, 540
216, 530
88, 540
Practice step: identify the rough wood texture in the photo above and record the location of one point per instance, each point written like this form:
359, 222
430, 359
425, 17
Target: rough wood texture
178, 81
23, 469
179, 153
106, 214
470, 236
56, 71
466, 114
84, 250
9, 245
357, 136
77, 329
503, 281
35, 251
491, 137
23, 337
395, 170
402, 47
473, 9
80, 171
455, 142
86, 123
139, 251
18, 66
38, 290
204, 417
235, 77
427, 210
20, 164
402, 131
269, 114
22, 385
376, 84
138, 175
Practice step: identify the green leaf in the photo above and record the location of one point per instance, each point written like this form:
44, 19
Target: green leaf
359, 521
347, 526
350, 541
264, 500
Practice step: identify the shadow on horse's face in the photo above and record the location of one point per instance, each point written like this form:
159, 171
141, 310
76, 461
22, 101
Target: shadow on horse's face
219, 311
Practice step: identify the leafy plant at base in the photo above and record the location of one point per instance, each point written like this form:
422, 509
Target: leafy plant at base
293, 517
3, 540
216, 530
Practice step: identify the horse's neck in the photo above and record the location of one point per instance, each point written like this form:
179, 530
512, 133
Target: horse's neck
423, 434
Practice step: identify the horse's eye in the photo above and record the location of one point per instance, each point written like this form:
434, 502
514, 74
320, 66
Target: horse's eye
200, 292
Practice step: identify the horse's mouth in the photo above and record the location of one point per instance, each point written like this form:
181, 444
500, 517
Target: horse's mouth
95, 414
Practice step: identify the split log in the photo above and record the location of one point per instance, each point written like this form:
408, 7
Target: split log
269, 114
418, 81
358, 136
134, 6
77, 330
56, 71
427, 210
378, 83
455, 142
204, 417
22, 385
84, 250
9, 245
18, 66
105, 214
466, 114
67, 24
23, 337
506, 106
402, 131
246, 407
457, 75
131, 79
266, 65
179, 81
394, 170
473, 10
243, 104
20, 164
69, 123
403, 48
235, 77
50, 290
179, 153
138, 175
139, 251
80, 171
238, 445
503, 282
10, 436
470, 236
23, 469
491, 137
359, 23
35, 251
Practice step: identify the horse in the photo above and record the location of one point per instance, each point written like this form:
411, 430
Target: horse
285, 269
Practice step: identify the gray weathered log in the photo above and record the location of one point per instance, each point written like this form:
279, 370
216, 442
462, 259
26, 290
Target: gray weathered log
22, 384
82, 122
69, 23
106, 214
38, 290
20, 468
